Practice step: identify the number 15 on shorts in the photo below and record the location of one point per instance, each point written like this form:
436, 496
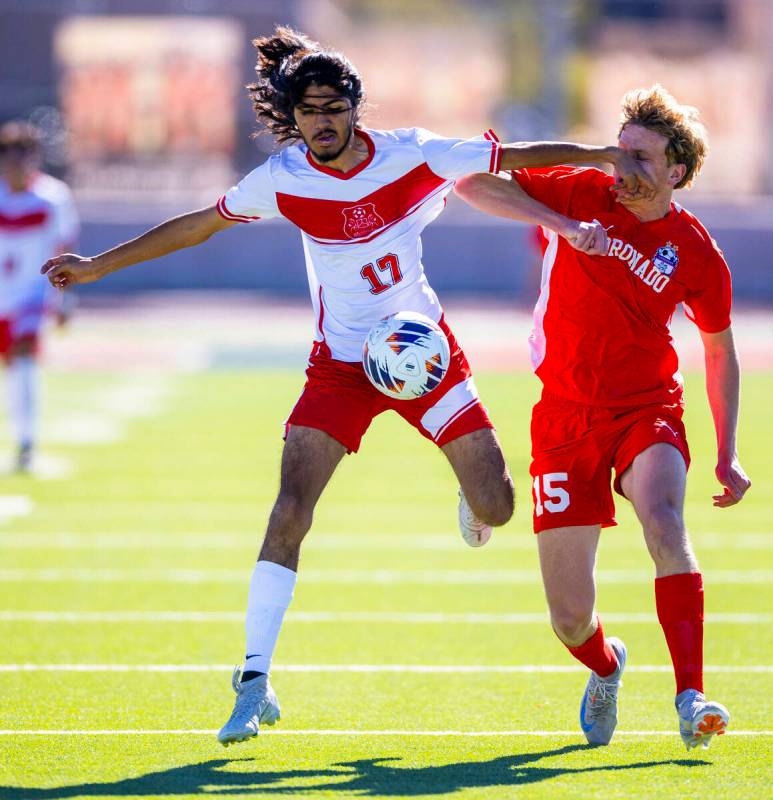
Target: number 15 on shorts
549, 495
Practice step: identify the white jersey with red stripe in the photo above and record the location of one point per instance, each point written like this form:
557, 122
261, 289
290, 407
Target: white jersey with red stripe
35, 224
361, 229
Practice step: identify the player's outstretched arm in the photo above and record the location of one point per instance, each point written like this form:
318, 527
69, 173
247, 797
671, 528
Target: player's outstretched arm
174, 234
504, 197
723, 380
632, 180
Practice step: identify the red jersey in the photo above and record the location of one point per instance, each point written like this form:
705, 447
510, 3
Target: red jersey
601, 325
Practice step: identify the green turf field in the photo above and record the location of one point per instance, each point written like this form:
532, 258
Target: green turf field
141, 557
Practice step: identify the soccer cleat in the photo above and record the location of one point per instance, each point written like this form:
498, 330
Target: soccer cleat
256, 703
474, 532
598, 709
699, 720
24, 458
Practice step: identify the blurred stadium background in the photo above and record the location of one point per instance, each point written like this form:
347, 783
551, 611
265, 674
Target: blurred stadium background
142, 105
160, 440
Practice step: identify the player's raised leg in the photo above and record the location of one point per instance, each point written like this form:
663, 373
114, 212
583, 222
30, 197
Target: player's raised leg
655, 484
486, 496
309, 459
567, 559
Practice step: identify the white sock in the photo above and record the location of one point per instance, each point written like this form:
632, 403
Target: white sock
271, 590
23, 391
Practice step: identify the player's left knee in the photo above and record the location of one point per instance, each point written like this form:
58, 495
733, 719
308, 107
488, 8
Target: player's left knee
663, 520
500, 504
666, 534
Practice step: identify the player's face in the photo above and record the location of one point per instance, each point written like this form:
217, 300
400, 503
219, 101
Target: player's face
17, 162
325, 119
649, 149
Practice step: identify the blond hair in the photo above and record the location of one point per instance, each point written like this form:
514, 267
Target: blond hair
657, 110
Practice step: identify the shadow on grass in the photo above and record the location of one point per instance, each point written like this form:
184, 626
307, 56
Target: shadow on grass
369, 777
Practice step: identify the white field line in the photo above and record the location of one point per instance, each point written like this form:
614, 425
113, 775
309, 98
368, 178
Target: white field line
45, 466
134, 397
324, 732
354, 576
102, 417
424, 669
84, 428
441, 541
13, 506
387, 617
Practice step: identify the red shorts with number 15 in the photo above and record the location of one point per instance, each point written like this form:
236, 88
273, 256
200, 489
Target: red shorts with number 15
576, 447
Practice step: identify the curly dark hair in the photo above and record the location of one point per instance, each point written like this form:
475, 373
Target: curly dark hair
288, 63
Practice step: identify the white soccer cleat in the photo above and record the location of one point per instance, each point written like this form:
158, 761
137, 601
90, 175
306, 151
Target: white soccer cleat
699, 720
598, 709
256, 704
474, 532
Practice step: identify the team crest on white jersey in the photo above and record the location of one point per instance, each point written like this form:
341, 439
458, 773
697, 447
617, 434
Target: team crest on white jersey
666, 258
361, 220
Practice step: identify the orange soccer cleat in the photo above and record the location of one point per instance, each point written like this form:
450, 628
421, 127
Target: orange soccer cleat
699, 720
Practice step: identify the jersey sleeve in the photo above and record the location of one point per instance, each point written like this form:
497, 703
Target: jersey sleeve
708, 306
252, 198
452, 158
563, 189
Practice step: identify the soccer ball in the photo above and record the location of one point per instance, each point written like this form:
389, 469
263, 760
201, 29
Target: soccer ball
406, 355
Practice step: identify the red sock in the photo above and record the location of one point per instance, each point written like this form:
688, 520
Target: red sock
679, 600
596, 653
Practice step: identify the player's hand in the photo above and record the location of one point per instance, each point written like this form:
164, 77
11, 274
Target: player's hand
587, 237
633, 183
69, 270
731, 476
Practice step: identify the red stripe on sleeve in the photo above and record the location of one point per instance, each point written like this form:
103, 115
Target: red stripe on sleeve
222, 209
497, 158
496, 151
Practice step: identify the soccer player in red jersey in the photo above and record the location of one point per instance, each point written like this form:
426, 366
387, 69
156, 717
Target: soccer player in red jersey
361, 199
612, 393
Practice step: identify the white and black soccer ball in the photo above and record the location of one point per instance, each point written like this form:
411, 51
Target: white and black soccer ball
406, 355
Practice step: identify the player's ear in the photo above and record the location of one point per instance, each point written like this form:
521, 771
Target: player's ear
675, 173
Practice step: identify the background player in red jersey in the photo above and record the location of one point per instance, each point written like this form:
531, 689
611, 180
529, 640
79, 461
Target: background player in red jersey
361, 198
37, 220
612, 396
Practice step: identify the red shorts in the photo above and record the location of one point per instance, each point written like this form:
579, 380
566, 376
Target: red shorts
575, 447
8, 339
339, 399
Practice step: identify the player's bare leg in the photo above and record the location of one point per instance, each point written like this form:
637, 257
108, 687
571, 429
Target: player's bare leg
23, 390
309, 459
655, 484
568, 559
486, 496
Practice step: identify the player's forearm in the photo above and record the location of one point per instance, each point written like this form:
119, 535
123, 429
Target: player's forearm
723, 386
520, 155
505, 198
177, 233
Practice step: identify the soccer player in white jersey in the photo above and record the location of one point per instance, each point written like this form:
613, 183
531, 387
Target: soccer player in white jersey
361, 199
37, 220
